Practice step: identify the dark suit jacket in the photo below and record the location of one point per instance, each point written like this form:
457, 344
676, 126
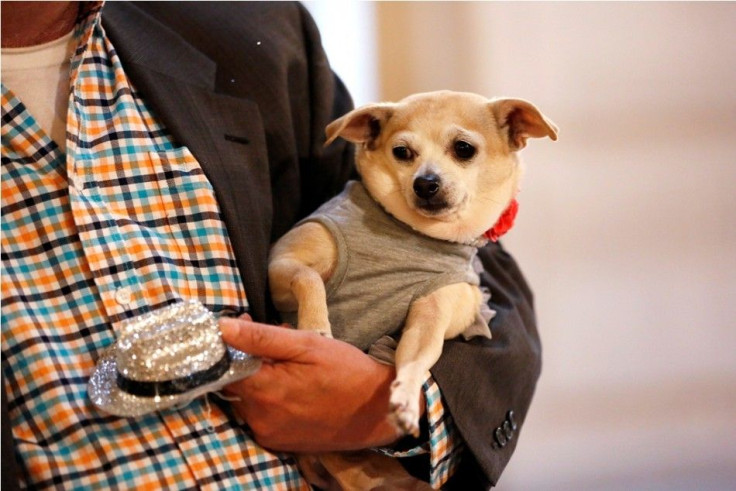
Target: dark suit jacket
246, 86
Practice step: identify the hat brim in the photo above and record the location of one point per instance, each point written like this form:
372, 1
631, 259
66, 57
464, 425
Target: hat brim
106, 395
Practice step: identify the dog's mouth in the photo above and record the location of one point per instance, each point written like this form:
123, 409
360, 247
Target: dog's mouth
432, 207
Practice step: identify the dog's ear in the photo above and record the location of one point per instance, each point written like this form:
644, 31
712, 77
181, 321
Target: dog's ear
522, 120
360, 125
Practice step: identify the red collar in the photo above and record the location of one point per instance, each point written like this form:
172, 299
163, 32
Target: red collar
504, 223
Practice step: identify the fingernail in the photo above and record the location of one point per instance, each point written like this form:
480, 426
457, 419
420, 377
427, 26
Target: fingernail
229, 328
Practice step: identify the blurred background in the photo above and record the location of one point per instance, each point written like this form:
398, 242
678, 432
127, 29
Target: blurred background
627, 226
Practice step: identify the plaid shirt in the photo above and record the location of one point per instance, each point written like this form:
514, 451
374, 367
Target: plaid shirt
124, 222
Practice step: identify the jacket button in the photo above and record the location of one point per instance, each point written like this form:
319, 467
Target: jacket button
500, 438
508, 430
510, 419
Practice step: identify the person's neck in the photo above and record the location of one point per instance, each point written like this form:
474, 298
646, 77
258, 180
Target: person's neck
32, 23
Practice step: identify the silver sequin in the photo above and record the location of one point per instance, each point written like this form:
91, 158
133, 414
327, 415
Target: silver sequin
169, 343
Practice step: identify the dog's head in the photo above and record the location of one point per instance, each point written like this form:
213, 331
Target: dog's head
445, 163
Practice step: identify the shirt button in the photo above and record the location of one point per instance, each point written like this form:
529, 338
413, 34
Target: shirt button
123, 295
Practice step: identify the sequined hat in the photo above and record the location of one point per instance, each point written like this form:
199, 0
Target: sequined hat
165, 358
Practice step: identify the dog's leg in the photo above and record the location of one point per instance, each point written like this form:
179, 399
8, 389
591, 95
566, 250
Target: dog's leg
440, 315
300, 264
367, 470
309, 291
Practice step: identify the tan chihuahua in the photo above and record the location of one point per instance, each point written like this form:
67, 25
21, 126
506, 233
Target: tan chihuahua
438, 170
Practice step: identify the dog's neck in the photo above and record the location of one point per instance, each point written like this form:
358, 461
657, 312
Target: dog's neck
504, 222
502, 225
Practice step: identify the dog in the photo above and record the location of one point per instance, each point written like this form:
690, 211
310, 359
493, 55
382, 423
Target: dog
439, 172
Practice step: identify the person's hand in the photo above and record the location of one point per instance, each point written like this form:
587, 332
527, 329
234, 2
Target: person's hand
312, 393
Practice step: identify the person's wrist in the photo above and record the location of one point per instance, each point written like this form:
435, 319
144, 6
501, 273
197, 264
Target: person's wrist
406, 442
385, 432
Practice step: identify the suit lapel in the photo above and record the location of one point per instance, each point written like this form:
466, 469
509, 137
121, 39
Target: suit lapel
224, 133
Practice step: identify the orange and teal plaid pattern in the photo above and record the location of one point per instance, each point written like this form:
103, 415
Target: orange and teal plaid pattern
124, 222
444, 445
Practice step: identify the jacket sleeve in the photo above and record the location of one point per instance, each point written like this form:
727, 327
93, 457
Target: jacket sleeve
325, 169
488, 384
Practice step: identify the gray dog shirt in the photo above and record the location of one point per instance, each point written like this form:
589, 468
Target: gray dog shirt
382, 267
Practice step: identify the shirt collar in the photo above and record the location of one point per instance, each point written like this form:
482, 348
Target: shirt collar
88, 17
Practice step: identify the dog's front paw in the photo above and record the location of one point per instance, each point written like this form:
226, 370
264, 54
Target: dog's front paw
404, 408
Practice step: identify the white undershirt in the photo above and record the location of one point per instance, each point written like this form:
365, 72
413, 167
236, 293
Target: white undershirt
39, 77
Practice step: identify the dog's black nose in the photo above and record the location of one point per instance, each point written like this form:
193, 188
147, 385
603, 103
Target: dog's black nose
427, 185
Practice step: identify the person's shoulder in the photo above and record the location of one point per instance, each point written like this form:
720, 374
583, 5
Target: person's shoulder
225, 31
222, 17
269, 35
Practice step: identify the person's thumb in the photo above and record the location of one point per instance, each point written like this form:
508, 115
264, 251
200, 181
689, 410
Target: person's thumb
262, 340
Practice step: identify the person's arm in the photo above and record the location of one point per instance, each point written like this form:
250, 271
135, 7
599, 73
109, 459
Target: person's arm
312, 393
479, 381
323, 170
434, 456
488, 385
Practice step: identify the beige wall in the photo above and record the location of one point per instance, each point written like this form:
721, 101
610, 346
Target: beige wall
627, 227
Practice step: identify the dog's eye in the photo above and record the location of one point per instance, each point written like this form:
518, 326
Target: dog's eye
464, 150
403, 153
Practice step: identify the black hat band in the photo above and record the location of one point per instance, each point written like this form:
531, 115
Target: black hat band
175, 386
